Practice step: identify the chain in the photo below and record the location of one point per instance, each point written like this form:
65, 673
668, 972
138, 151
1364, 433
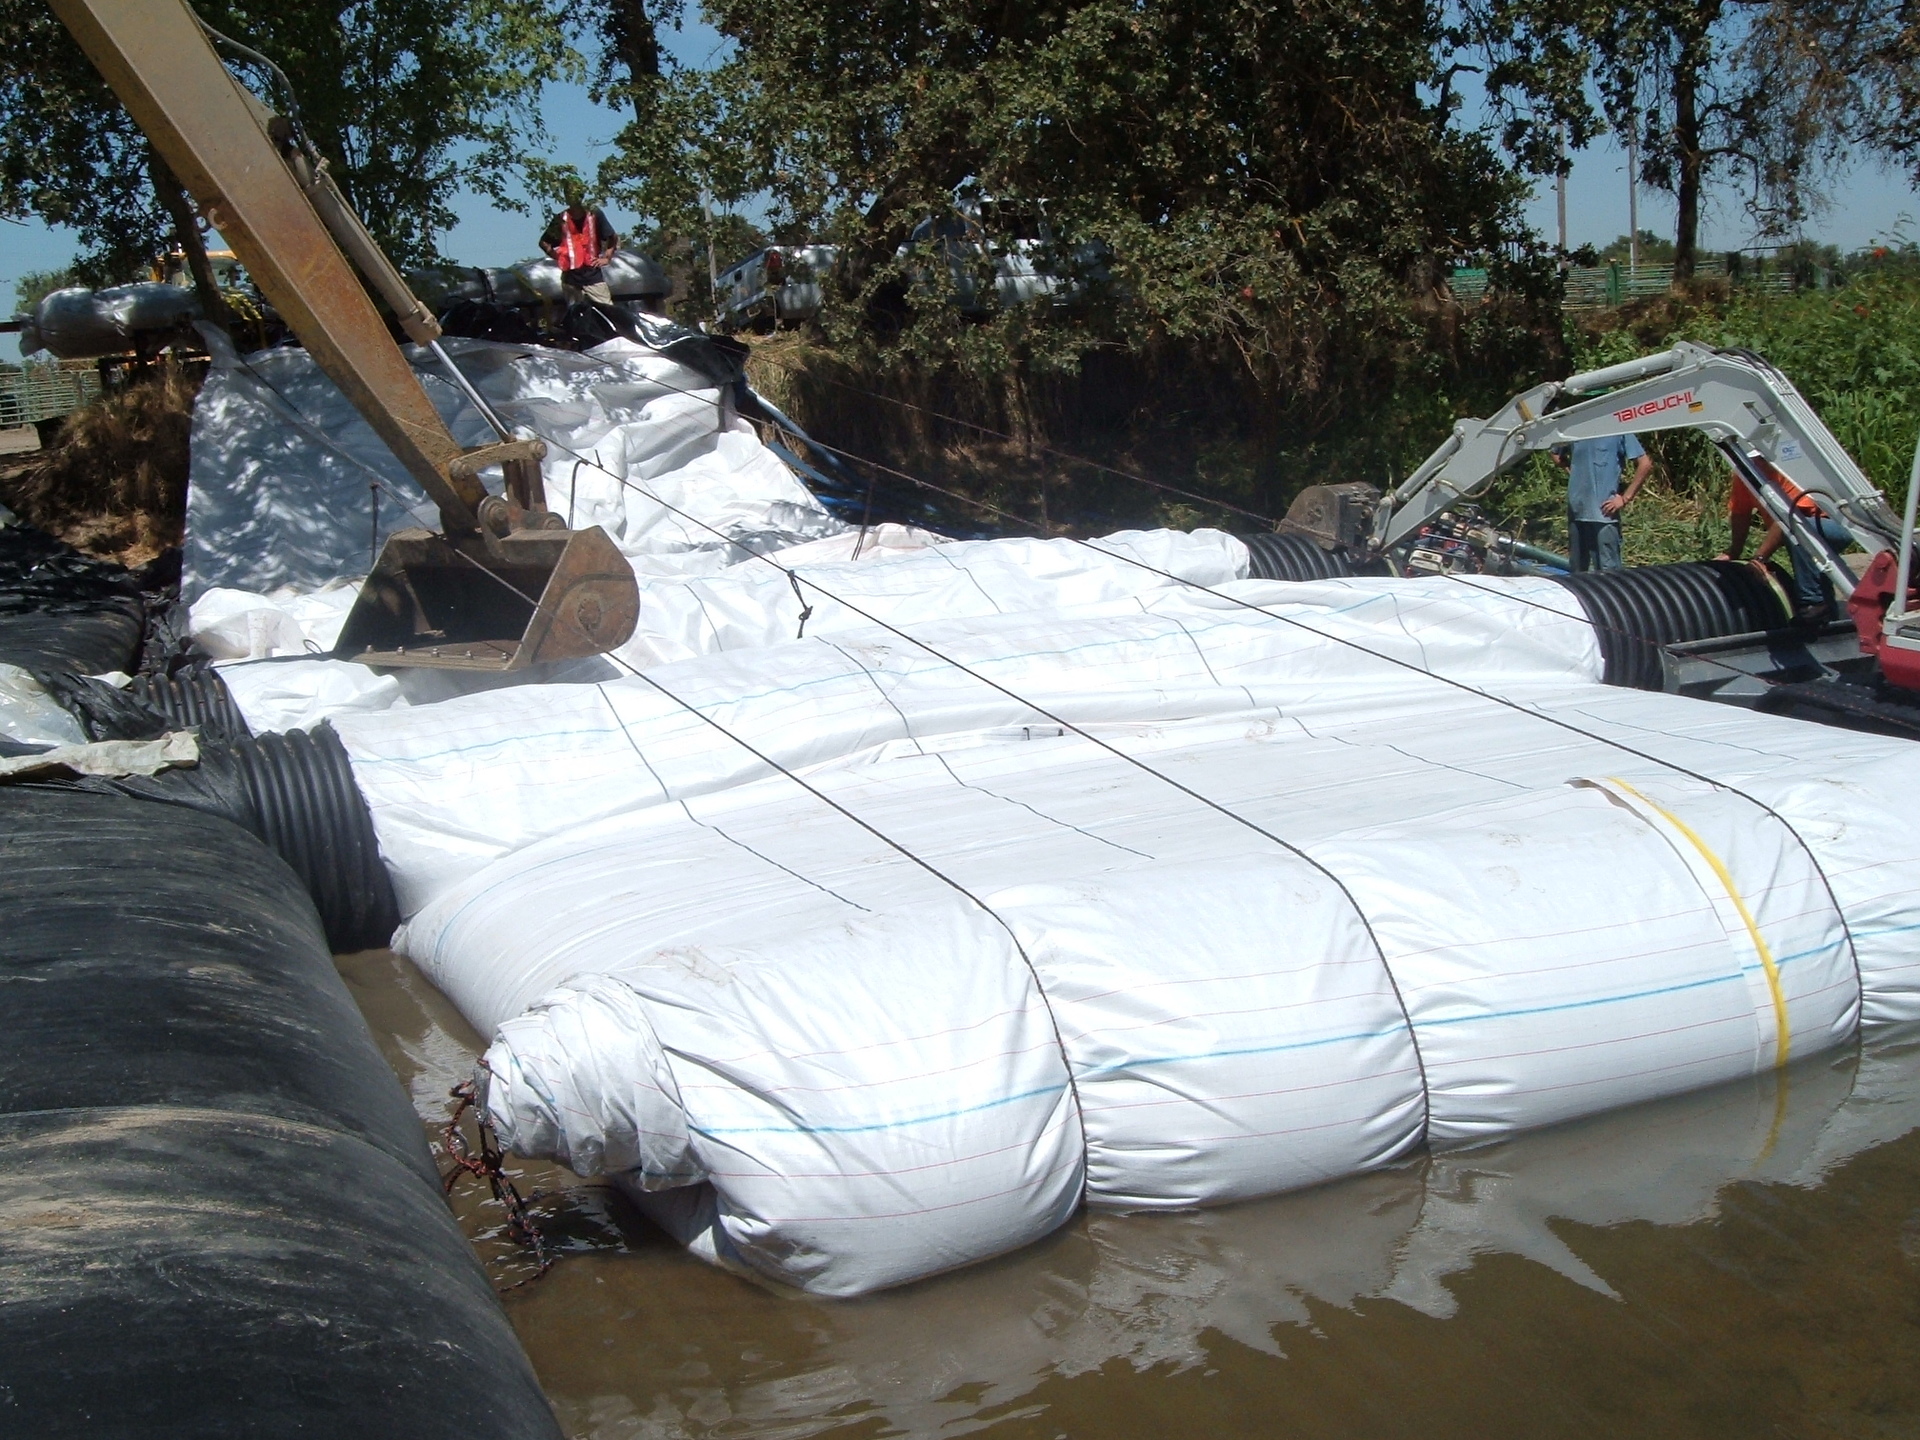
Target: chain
488, 1162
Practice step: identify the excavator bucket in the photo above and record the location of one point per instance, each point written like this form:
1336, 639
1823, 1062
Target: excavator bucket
476, 602
508, 585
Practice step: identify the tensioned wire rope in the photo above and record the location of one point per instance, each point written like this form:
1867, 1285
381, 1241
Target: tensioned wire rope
1046, 449
1040, 989
1043, 527
871, 829
1597, 624
1506, 702
794, 580
473, 398
797, 580
999, 512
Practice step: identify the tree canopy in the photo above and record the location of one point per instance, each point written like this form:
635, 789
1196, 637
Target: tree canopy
1279, 178
1769, 94
410, 100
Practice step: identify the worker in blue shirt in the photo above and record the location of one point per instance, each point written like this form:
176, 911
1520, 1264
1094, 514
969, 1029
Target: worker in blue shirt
1595, 499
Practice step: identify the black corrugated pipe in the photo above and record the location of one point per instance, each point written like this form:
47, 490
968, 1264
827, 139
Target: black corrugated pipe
297, 793
1637, 611
195, 700
311, 812
1273, 556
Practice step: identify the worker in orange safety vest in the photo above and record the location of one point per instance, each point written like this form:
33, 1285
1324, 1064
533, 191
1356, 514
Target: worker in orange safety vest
581, 243
1812, 591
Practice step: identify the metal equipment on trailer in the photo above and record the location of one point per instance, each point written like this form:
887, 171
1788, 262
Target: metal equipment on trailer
505, 584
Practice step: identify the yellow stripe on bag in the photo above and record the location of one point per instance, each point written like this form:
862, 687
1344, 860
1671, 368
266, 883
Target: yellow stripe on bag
1759, 941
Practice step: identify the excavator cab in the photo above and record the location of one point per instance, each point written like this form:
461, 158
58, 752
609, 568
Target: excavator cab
505, 584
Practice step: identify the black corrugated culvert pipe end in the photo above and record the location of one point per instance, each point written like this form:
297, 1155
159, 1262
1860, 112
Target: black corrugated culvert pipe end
296, 792
311, 812
1635, 612
1273, 556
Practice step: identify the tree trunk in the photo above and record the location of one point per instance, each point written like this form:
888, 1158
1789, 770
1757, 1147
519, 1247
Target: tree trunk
1686, 144
628, 31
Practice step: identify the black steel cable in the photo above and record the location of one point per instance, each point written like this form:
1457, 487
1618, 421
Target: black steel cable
1354, 645
824, 798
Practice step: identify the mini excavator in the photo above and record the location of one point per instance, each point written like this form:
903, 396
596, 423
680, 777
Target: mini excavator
1750, 411
504, 584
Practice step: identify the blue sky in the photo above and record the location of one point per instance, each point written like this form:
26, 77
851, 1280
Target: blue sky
1868, 204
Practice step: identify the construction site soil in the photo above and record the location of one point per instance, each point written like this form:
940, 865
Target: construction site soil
1737, 1262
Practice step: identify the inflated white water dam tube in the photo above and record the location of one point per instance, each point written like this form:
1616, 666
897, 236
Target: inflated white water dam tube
860, 958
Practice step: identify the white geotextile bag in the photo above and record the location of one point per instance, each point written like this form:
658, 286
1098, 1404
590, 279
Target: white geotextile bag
466, 783
1230, 1027
1293, 905
929, 1361
861, 1121
241, 625
1559, 954
287, 694
1856, 818
751, 605
651, 449
754, 604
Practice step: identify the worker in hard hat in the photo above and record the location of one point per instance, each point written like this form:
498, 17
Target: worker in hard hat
581, 243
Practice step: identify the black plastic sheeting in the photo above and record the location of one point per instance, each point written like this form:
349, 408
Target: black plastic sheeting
297, 793
1875, 706
1637, 611
1272, 556
148, 707
61, 610
218, 1216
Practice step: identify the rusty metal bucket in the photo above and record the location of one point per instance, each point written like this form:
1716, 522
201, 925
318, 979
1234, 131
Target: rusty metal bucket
480, 602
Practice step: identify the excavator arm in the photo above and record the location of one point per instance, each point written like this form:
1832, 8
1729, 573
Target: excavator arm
505, 585
1746, 407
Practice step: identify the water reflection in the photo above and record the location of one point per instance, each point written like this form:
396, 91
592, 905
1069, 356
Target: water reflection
633, 1339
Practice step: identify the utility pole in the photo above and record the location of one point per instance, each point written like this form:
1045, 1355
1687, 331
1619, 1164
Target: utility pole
713, 268
1633, 198
1560, 192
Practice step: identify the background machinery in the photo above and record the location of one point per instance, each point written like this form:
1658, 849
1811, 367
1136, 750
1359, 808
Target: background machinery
1772, 440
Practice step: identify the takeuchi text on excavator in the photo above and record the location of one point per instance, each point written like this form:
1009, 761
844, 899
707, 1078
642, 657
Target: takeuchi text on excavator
1770, 436
505, 584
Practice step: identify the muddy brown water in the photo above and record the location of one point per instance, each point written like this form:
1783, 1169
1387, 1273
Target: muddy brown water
1743, 1261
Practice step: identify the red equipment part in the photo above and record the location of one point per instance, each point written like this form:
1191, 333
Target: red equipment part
1867, 608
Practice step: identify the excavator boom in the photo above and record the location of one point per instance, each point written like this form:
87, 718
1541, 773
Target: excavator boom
552, 594
1771, 437
1737, 400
